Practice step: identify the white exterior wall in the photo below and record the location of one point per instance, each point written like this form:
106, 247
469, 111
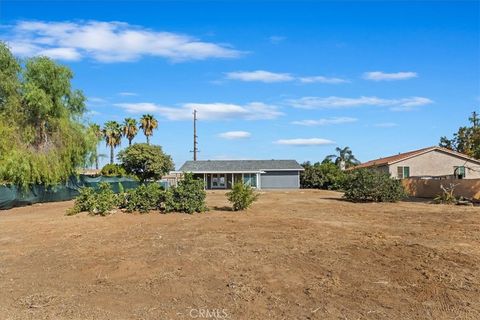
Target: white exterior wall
436, 163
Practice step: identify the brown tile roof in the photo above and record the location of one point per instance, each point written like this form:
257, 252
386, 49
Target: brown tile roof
405, 155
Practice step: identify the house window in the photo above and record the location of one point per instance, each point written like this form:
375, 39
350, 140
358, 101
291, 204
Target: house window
250, 179
460, 172
218, 180
403, 172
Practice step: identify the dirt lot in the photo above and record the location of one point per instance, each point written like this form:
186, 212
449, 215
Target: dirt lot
294, 255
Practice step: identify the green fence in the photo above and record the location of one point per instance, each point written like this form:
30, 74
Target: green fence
11, 196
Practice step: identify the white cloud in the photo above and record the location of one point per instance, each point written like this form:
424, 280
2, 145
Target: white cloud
322, 79
382, 76
324, 122
107, 42
207, 111
332, 102
385, 125
270, 77
276, 39
127, 94
259, 75
231, 135
305, 142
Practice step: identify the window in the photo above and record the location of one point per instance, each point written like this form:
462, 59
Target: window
250, 179
218, 180
403, 172
460, 172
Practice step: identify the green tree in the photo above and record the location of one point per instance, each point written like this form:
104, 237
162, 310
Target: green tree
344, 157
148, 123
43, 139
362, 185
241, 196
147, 162
325, 175
130, 129
466, 140
96, 132
112, 132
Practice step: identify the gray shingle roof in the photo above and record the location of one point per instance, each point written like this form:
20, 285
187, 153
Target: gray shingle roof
239, 165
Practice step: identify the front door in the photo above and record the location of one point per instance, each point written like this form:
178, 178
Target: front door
219, 181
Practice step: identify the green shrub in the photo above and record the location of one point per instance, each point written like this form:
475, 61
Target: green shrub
242, 196
144, 198
113, 170
189, 196
95, 202
324, 175
369, 185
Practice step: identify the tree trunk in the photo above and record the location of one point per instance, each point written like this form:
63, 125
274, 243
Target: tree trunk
129, 142
148, 139
111, 154
96, 161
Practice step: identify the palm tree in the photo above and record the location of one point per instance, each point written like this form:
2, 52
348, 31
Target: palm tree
98, 134
148, 123
344, 158
112, 132
130, 129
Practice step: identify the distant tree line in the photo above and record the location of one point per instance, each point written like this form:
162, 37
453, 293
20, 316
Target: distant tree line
467, 138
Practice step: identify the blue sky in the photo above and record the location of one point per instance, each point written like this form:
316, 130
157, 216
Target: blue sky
283, 80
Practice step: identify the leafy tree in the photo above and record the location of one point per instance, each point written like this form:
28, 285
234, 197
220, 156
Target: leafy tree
148, 123
42, 136
113, 170
96, 132
242, 196
325, 175
344, 156
130, 129
147, 162
466, 140
362, 185
112, 133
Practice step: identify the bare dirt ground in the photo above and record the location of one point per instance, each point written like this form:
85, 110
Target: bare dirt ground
295, 255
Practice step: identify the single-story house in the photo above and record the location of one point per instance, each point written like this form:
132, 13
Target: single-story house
428, 163
260, 174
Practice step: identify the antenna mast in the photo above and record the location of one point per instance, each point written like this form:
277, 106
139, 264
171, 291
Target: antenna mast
195, 143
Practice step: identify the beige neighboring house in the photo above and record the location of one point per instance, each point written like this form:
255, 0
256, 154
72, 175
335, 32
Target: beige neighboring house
429, 162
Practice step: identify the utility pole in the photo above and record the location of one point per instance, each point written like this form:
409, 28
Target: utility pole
195, 143
474, 119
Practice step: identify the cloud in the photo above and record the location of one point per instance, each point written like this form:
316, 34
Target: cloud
385, 125
304, 142
207, 111
324, 122
107, 42
332, 102
382, 76
270, 77
127, 94
259, 75
231, 135
322, 79
276, 39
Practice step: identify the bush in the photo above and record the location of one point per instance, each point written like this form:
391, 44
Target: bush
100, 202
242, 196
189, 196
113, 170
369, 185
144, 198
147, 162
321, 176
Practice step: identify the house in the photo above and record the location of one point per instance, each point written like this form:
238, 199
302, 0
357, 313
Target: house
427, 162
260, 174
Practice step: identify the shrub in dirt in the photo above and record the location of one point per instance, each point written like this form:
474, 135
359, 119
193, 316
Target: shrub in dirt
113, 170
447, 196
324, 175
144, 198
242, 196
95, 202
189, 196
364, 185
